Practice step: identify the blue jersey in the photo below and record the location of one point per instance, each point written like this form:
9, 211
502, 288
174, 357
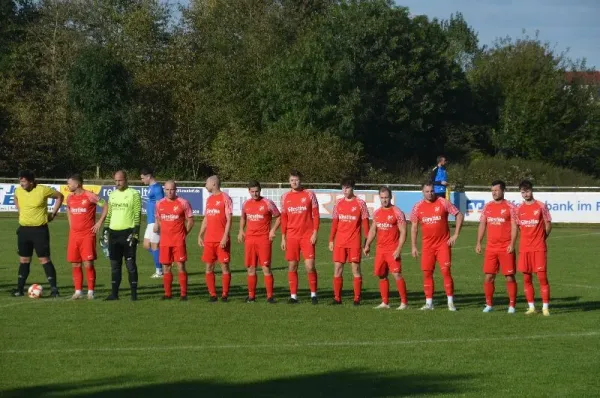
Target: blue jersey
438, 175
155, 193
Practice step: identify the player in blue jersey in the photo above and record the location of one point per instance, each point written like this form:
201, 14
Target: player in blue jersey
439, 177
151, 238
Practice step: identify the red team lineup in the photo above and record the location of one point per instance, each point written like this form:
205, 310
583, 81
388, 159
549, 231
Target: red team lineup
350, 238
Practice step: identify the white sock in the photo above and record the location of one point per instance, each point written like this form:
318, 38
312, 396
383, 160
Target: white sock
313, 294
450, 299
429, 302
545, 306
531, 305
77, 291
90, 292
295, 297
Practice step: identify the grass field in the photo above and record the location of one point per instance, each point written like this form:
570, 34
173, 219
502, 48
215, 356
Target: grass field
151, 348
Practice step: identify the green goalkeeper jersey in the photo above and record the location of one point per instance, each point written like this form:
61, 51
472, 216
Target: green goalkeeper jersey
124, 209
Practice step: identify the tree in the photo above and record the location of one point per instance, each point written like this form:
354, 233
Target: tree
100, 92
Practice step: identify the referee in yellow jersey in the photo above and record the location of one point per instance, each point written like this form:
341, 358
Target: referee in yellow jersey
31, 200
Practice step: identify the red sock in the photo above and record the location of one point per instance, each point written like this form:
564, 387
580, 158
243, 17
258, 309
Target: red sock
252, 286
210, 283
544, 287
384, 290
428, 286
226, 282
528, 288
78, 278
338, 284
269, 282
293, 281
401, 285
511, 289
183, 282
448, 282
91, 277
312, 281
488, 289
167, 283
357, 287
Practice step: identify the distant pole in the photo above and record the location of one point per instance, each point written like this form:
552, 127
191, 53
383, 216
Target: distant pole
97, 171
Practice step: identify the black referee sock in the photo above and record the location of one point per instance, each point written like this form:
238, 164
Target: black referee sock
23, 274
50, 274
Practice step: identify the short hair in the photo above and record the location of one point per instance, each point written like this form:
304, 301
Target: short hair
147, 171
526, 185
501, 183
254, 184
121, 171
215, 178
348, 182
295, 173
385, 189
440, 157
27, 175
77, 177
427, 184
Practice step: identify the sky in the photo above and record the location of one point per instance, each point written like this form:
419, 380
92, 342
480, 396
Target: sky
565, 24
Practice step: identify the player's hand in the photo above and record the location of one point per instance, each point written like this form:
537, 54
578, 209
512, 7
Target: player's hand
271, 236
133, 239
444, 183
510, 249
96, 227
283, 244
415, 252
223, 242
478, 248
104, 239
313, 238
156, 228
241, 237
51, 217
330, 246
452, 240
366, 250
200, 241
397, 253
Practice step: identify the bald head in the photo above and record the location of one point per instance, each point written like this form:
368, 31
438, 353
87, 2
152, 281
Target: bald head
213, 184
120, 178
170, 189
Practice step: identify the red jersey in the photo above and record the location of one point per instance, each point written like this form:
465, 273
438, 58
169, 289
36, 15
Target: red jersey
258, 215
498, 218
347, 217
433, 217
387, 221
172, 215
531, 221
216, 210
299, 214
82, 210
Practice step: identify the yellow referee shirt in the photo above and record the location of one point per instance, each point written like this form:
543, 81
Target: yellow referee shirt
33, 205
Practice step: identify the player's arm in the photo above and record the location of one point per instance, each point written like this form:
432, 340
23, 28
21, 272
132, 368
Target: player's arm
242, 234
316, 218
137, 216
547, 220
514, 231
59, 198
69, 215
334, 226
189, 218
401, 238
414, 232
276, 225
480, 232
201, 233
156, 227
370, 238
451, 209
228, 218
99, 202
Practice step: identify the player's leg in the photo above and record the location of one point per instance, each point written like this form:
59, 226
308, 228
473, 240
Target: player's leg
183, 280
166, 259
308, 252
427, 267
269, 283
224, 257
251, 283
396, 270
508, 266
130, 251
263, 251
151, 243
209, 257
444, 258
381, 270
491, 263
525, 265
116, 242
357, 274
74, 257
540, 267
292, 255
339, 259
25, 251
87, 252
41, 244
90, 273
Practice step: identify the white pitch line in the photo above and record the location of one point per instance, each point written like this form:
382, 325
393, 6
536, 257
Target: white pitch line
324, 344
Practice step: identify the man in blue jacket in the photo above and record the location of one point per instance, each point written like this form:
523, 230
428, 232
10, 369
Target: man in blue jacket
439, 177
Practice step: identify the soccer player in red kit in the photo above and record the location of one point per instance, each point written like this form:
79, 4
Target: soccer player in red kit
535, 225
257, 214
349, 213
299, 230
389, 225
174, 221
497, 218
214, 237
436, 243
81, 212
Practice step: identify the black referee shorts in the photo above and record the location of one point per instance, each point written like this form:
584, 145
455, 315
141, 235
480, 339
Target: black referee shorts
30, 238
118, 246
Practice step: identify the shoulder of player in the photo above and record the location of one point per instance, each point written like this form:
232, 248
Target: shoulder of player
134, 192
161, 201
541, 204
338, 201
419, 204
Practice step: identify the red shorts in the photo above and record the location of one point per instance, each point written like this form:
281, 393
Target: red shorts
213, 252
385, 263
531, 262
172, 254
346, 255
257, 253
495, 260
441, 254
81, 247
294, 247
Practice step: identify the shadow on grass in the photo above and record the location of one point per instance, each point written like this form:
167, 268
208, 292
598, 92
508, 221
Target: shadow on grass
354, 382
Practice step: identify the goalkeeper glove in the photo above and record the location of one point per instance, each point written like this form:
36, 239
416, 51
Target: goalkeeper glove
134, 236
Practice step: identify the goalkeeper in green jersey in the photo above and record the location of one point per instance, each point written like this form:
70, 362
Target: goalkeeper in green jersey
121, 233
